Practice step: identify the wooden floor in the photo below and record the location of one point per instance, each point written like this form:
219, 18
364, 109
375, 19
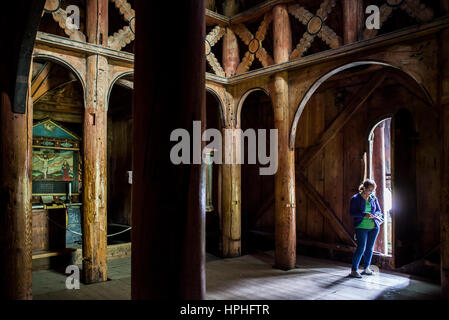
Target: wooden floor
252, 277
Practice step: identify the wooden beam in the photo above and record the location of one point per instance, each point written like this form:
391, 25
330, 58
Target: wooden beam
345, 115
50, 85
324, 208
257, 11
213, 18
40, 78
75, 48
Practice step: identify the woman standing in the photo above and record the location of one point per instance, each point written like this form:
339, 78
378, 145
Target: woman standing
365, 210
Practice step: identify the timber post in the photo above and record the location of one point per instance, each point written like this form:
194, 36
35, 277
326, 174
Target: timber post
94, 149
353, 13
16, 131
231, 182
444, 124
285, 199
168, 200
231, 186
231, 57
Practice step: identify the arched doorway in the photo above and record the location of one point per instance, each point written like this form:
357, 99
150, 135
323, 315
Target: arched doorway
379, 163
119, 155
213, 180
336, 150
57, 93
257, 190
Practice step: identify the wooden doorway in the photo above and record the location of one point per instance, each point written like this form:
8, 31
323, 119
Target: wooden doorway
257, 190
404, 211
119, 155
213, 181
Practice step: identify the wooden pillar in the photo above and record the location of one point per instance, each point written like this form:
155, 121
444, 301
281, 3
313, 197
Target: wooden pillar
168, 211
231, 186
16, 131
285, 202
94, 149
444, 124
97, 21
353, 23
379, 178
231, 57
21, 19
231, 182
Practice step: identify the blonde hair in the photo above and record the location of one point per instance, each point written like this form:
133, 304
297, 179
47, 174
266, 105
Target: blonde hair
367, 184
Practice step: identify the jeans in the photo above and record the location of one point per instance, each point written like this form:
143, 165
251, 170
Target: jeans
365, 244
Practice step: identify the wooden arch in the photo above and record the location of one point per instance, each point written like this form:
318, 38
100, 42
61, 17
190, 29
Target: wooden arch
113, 82
330, 74
220, 105
65, 64
242, 101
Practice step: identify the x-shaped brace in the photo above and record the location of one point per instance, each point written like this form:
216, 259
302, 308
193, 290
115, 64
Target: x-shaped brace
315, 27
254, 43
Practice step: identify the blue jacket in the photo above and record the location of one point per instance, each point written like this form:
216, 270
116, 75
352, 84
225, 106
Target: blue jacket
357, 208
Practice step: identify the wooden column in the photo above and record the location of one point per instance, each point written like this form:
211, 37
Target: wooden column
231, 187
285, 202
353, 23
16, 131
444, 124
379, 178
21, 19
168, 210
94, 149
231, 182
231, 57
